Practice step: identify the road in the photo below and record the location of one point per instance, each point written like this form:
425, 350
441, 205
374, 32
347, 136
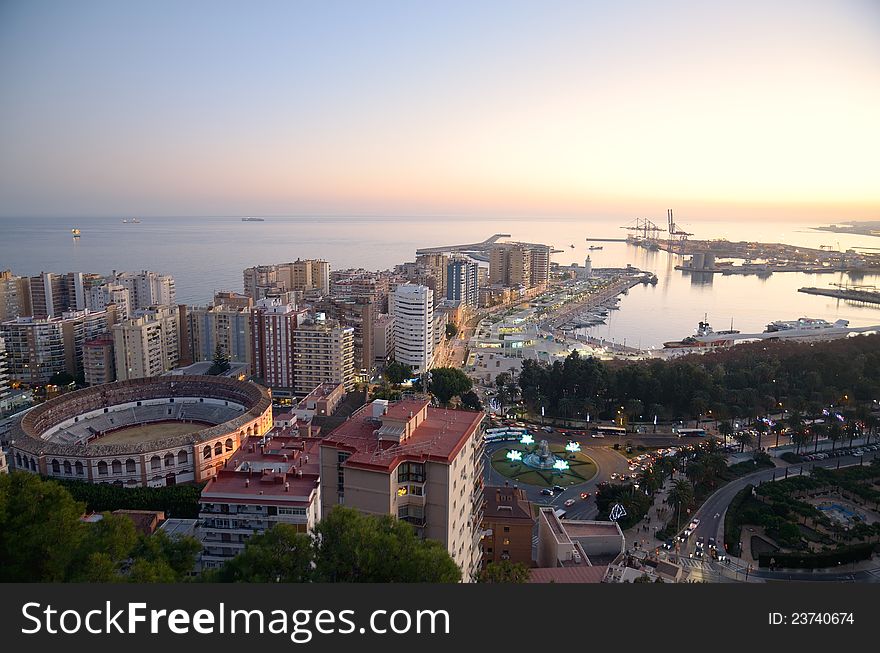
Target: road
711, 516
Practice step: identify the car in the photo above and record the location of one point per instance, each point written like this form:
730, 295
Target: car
711, 543
547, 429
669, 545
700, 542
547, 492
698, 553
558, 488
598, 435
569, 502
585, 495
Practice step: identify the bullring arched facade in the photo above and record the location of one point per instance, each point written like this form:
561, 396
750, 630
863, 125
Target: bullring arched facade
59, 438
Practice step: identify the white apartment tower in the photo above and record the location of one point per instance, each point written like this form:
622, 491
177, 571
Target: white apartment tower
147, 289
147, 345
413, 309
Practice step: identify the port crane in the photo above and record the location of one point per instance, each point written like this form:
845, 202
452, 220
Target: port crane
644, 226
676, 232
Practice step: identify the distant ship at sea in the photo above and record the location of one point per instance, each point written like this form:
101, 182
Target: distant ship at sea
130, 221
75, 232
252, 220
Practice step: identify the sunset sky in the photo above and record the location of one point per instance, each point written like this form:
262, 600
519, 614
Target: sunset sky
747, 109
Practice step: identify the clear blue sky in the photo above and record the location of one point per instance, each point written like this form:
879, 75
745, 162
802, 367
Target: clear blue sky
423, 108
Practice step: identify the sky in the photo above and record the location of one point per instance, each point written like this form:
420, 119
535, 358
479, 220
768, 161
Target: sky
730, 110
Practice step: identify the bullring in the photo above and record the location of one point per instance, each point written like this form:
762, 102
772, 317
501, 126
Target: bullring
142, 432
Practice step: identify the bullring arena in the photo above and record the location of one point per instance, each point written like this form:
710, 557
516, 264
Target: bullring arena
143, 432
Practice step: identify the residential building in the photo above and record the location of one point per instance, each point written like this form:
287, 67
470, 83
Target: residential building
519, 264
269, 480
323, 352
568, 548
15, 296
413, 309
5, 389
233, 299
228, 326
147, 289
423, 465
383, 339
508, 522
147, 345
38, 348
302, 275
461, 281
100, 296
53, 294
358, 313
99, 364
272, 326
322, 401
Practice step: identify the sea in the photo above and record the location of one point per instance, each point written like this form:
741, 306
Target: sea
208, 254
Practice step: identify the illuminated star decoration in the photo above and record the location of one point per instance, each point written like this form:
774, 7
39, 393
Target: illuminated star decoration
617, 511
527, 439
560, 465
514, 455
573, 447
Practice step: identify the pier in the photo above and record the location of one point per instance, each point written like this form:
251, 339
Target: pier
848, 294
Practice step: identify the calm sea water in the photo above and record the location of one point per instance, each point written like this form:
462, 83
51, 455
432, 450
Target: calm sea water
208, 254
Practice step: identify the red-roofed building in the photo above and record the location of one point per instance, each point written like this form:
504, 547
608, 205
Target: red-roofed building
266, 482
419, 463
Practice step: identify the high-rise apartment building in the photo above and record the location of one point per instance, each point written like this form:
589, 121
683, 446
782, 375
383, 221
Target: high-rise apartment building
53, 294
272, 326
147, 289
358, 313
147, 344
224, 325
423, 465
519, 264
413, 309
99, 364
15, 296
383, 339
323, 352
302, 275
38, 348
4, 374
100, 296
462, 280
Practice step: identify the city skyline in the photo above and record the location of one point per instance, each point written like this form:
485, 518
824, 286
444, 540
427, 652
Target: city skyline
568, 109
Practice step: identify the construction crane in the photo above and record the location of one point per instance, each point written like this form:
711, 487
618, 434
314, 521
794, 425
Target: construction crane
676, 232
648, 229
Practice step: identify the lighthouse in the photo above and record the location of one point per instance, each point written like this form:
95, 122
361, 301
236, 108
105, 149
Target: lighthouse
588, 267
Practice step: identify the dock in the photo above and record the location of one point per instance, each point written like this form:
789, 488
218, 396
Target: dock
848, 294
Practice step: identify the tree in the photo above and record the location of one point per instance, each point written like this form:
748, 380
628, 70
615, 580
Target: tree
61, 379
681, 495
447, 382
40, 529
354, 548
221, 362
396, 373
281, 554
504, 571
471, 401
451, 330
726, 430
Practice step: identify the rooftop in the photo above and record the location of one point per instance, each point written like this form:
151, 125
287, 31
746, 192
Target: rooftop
428, 434
577, 574
507, 503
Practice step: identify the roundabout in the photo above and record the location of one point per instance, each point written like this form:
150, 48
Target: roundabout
543, 465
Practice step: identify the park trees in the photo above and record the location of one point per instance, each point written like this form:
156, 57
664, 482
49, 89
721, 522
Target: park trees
448, 382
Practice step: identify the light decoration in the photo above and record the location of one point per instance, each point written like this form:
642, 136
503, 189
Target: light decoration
573, 447
514, 455
617, 512
527, 439
561, 465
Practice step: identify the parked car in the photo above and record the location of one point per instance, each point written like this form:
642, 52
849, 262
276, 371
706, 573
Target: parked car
558, 488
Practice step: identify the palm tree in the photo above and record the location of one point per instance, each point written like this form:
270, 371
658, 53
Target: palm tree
761, 428
743, 438
835, 432
778, 429
681, 495
725, 429
818, 429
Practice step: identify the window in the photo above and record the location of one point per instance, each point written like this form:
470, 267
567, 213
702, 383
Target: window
507, 529
182, 458
506, 541
169, 460
206, 452
117, 467
155, 463
413, 472
56, 467
299, 512
229, 444
130, 466
67, 468
79, 468
218, 449
102, 468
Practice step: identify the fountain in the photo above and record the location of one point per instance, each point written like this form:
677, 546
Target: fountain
541, 458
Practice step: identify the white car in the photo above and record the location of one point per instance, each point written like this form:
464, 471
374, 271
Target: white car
569, 502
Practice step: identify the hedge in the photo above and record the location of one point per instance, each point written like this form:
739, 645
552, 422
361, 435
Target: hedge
817, 560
